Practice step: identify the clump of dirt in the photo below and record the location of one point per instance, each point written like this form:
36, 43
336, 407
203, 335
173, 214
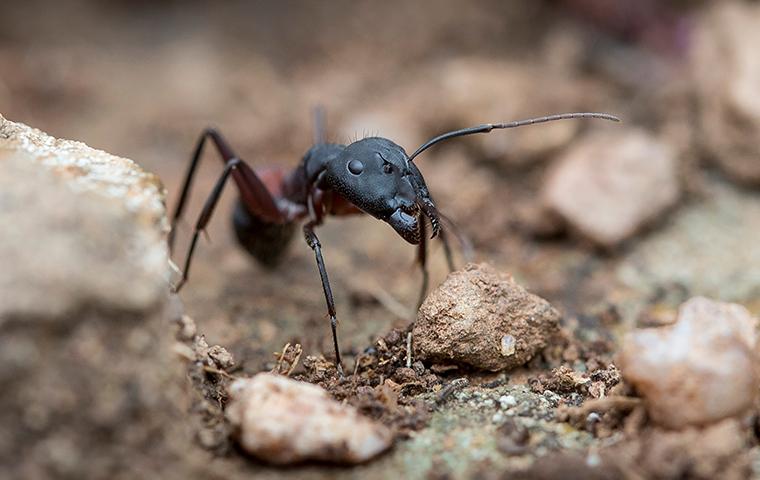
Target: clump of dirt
207, 373
385, 384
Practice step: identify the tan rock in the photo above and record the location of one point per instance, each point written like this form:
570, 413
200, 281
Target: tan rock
482, 318
700, 369
610, 184
280, 420
726, 67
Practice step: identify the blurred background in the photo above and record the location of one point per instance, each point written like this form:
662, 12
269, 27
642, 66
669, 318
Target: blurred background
141, 79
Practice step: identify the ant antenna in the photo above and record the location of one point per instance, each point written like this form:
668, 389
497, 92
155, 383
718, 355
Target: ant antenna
519, 123
319, 122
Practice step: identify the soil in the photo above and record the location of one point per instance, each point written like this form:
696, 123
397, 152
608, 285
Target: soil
142, 80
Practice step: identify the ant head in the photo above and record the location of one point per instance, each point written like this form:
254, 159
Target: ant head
376, 175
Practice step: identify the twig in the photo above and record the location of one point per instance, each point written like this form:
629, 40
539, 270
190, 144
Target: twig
299, 351
409, 350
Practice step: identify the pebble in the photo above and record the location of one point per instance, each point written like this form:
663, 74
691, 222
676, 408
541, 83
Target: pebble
283, 421
507, 401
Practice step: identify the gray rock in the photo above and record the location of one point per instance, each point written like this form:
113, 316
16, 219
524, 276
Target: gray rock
482, 318
699, 370
612, 183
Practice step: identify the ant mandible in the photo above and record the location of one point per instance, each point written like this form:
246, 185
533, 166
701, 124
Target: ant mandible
372, 175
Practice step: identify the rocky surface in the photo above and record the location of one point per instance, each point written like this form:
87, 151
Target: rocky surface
285, 421
83, 352
700, 369
482, 318
610, 184
727, 72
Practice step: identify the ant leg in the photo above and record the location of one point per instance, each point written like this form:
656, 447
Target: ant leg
422, 261
447, 249
205, 216
313, 241
255, 194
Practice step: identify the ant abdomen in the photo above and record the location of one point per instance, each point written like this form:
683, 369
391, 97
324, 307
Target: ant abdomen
267, 242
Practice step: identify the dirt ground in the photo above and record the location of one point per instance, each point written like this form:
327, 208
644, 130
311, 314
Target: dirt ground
143, 79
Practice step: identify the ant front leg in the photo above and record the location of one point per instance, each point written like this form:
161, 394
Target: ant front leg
313, 242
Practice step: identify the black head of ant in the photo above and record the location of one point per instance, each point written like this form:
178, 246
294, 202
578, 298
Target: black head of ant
380, 178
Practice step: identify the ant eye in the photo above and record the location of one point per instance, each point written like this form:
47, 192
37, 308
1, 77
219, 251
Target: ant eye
355, 166
387, 168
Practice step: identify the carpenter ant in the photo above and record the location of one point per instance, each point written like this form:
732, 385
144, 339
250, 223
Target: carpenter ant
373, 175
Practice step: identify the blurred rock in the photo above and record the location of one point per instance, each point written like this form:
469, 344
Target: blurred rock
611, 184
83, 349
472, 88
482, 318
726, 67
718, 450
700, 369
282, 421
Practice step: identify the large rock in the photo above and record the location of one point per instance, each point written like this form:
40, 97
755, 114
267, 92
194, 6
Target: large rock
700, 369
726, 68
82, 293
610, 184
82, 225
482, 318
282, 421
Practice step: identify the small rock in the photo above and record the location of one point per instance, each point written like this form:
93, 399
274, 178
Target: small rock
700, 369
507, 401
611, 184
282, 421
726, 68
187, 329
482, 318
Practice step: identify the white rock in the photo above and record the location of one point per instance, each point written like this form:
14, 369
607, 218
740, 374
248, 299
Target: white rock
611, 183
700, 369
280, 420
